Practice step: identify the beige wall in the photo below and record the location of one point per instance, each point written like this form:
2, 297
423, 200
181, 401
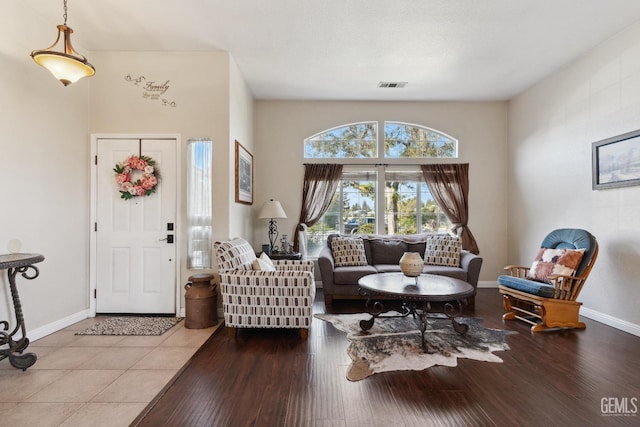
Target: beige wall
241, 130
212, 100
481, 128
44, 173
551, 129
199, 85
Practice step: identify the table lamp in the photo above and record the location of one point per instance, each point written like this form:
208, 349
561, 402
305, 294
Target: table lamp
271, 210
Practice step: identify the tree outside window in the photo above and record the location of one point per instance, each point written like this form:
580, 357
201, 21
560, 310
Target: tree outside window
406, 205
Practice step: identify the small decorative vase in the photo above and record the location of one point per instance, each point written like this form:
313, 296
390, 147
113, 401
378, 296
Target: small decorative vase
411, 264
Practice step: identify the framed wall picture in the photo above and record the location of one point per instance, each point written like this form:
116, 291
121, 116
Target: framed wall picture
244, 175
616, 161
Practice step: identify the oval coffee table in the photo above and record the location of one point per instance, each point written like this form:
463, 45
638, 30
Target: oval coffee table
416, 295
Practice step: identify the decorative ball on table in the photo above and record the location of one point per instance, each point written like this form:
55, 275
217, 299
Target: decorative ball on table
411, 264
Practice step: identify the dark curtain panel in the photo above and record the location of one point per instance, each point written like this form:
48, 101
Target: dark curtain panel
449, 186
320, 184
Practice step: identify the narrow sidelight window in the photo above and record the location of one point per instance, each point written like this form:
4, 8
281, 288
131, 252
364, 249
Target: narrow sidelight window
199, 205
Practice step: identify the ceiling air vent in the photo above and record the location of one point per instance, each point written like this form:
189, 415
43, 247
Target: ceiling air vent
392, 84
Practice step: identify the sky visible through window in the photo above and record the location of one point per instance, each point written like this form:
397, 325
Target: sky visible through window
403, 204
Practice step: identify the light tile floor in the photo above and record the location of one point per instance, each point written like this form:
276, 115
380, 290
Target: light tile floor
85, 380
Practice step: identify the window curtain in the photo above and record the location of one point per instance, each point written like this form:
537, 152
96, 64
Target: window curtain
449, 186
320, 184
199, 203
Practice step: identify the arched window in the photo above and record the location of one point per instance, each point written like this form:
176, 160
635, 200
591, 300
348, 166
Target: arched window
360, 140
357, 140
404, 140
382, 190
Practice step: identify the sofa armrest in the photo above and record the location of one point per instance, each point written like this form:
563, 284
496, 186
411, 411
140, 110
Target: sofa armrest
326, 265
471, 263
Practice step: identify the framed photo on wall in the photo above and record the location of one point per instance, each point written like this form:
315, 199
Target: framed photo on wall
244, 175
616, 161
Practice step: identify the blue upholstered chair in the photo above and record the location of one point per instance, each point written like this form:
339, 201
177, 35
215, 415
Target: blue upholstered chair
549, 303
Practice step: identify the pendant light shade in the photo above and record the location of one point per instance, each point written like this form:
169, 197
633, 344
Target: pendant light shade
65, 64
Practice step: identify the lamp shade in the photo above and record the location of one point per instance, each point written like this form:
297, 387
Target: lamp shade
65, 68
272, 209
66, 65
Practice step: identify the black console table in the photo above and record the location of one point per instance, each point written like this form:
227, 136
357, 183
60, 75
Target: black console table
286, 256
14, 264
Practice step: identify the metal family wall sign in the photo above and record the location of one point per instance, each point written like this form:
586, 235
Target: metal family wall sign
616, 161
152, 90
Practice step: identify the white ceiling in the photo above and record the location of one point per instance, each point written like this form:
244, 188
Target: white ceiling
341, 49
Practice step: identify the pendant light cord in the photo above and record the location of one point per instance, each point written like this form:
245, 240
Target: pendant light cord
65, 12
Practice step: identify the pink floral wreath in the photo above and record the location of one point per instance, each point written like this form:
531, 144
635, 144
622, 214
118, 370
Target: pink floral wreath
142, 186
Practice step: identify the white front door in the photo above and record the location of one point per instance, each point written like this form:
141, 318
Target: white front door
135, 249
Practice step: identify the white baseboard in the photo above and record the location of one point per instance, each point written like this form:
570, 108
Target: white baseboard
50, 328
487, 284
614, 322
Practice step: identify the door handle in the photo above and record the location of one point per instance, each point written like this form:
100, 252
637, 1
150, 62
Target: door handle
168, 239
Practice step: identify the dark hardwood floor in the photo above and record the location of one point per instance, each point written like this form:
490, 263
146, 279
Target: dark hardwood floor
272, 378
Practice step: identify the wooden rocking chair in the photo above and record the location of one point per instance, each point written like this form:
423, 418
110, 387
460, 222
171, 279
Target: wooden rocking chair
550, 304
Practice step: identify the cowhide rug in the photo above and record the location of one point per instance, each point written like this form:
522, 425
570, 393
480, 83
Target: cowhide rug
395, 345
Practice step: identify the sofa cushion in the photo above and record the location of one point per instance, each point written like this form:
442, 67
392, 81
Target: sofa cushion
387, 251
387, 268
348, 251
418, 247
554, 261
529, 286
350, 275
441, 270
234, 255
442, 249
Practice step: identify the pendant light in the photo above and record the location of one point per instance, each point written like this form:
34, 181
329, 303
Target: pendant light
66, 65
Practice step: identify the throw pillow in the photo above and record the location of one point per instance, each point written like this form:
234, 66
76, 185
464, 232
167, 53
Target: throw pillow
387, 251
263, 263
348, 251
442, 249
555, 261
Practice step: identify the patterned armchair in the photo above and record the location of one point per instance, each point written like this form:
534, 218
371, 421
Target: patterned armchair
281, 297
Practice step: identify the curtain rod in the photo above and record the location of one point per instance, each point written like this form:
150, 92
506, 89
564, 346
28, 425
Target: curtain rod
350, 164
387, 164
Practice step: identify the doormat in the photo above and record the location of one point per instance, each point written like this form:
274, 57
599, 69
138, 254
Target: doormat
132, 326
395, 344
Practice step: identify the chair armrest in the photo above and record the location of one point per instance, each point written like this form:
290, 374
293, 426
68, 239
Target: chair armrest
299, 265
566, 287
276, 283
517, 270
266, 276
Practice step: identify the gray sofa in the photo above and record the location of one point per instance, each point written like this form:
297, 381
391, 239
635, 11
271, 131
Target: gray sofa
383, 255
